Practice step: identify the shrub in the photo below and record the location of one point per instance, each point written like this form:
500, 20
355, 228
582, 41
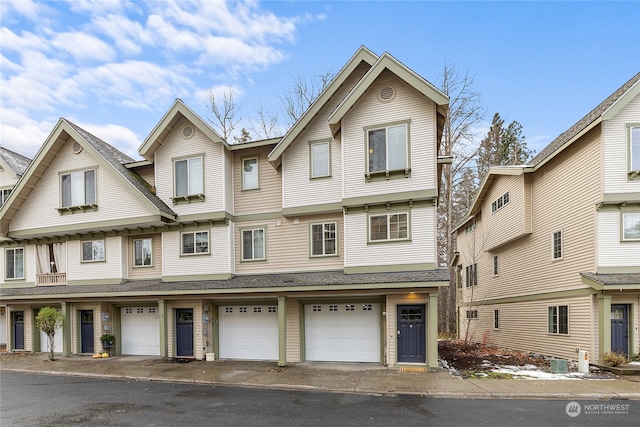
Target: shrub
614, 359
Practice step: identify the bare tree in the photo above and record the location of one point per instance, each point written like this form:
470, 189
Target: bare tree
301, 94
465, 113
265, 124
224, 114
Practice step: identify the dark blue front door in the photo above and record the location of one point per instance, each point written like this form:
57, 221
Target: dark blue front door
18, 330
184, 332
411, 334
620, 328
86, 331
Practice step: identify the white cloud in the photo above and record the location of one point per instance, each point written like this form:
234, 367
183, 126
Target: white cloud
118, 136
22, 134
27, 8
83, 46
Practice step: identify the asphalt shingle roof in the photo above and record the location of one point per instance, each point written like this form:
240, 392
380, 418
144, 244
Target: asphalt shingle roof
614, 279
17, 162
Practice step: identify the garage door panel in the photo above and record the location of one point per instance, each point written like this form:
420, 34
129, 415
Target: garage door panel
248, 332
140, 331
344, 332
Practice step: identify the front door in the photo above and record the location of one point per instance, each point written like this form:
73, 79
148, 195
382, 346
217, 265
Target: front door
18, 329
184, 332
620, 328
86, 331
411, 334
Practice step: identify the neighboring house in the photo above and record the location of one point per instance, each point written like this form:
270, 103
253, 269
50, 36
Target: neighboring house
12, 166
317, 246
549, 255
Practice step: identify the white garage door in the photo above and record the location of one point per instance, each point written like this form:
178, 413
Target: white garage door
140, 331
342, 332
57, 342
248, 332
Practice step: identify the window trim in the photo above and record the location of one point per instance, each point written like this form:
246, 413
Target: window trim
242, 172
388, 215
495, 266
83, 207
388, 173
104, 251
6, 263
326, 142
471, 275
553, 245
496, 319
188, 198
195, 253
632, 173
555, 321
3, 197
133, 243
324, 254
622, 230
472, 314
500, 202
264, 243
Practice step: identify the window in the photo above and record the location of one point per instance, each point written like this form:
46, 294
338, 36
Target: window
196, 242
4, 195
388, 227
558, 319
557, 245
250, 178
469, 228
633, 136
472, 314
320, 155
323, 239
631, 226
15, 263
93, 250
495, 265
143, 252
253, 247
496, 319
471, 275
188, 177
387, 148
78, 188
500, 202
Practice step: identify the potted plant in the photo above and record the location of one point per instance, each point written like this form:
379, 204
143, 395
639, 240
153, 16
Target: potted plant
108, 341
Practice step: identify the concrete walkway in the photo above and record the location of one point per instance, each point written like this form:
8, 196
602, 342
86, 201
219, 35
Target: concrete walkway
334, 377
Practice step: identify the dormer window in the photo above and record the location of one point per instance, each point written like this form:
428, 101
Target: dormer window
188, 180
78, 191
387, 150
633, 136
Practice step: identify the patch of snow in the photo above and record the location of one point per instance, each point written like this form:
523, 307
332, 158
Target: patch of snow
634, 363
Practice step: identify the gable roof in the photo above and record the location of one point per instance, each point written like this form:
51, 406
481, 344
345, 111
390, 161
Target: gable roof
177, 112
13, 162
362, 55
106, 155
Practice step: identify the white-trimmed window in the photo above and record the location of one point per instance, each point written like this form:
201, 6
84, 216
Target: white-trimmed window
93, 251
556, 245
14, 268
253, 244
324, 239
496, 319
195, 242
633, 136
320, 159
631, 226
388, 148
250, 173
558, 319
471, 275
78, 188
472, 314
500, 202
188, 178
4, 195
392, 226
143, 252
495, 265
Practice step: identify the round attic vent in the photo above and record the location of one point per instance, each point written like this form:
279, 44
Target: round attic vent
187, 131
76, 148
386, 94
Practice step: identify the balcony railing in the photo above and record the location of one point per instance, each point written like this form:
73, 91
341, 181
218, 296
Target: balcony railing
53, 279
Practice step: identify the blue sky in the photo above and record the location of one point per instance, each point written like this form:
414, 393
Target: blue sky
115, 67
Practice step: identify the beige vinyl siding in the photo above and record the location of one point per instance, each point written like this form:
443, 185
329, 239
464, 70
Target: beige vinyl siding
616, 160
110, 268
369, 111
512, 220
611, 251
287, 246
293, 331
153, 271
420, 249
228, 182
147, 173
215, 262
523, 326
267, 198
39, 209
298, 189
177, 147
6, 179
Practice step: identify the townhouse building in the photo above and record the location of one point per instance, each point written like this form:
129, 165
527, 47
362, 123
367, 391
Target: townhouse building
316, 246
549, 255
